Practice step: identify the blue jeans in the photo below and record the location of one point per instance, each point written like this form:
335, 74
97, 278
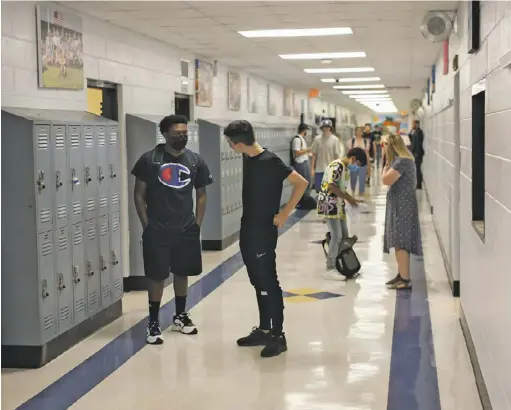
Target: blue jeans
338, 230
304, 170
360, 175
317, 180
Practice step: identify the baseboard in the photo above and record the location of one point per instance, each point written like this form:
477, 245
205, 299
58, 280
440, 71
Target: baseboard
481, 385
34, 357
454, 283
220, 244
136, 283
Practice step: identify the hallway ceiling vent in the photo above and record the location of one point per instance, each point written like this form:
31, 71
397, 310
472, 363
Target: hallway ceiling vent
436, 26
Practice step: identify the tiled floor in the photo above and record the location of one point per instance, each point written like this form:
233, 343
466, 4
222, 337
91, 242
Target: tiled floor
359, 347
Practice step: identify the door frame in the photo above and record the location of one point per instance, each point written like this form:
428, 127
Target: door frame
455, 204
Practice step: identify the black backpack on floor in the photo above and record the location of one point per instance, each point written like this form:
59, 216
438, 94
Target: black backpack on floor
346, 262
307, 203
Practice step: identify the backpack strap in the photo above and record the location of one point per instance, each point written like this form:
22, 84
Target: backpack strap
159, 151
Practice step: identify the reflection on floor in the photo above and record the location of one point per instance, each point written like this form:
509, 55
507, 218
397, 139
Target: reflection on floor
352, 345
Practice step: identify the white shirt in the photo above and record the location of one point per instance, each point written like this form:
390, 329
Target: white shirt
326, 150
299, 144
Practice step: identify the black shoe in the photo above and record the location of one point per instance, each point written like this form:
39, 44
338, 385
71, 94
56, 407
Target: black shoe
275, 346
182, 323
256, 338
153, 334
393, 281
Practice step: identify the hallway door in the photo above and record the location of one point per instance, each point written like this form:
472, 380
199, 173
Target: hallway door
454, 227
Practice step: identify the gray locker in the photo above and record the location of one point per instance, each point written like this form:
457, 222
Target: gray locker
63, 279
60, 165
90, 164
75, 177
104, 259
44, 178
116, 284
92, 267
113, 163
47, 288
103, 181
79, 274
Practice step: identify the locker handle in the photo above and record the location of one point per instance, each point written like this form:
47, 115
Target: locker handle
101, 177
58, 182
103, 264
44, 286
113, 174
76, 274
61, 286
114, 258
90, 272
87, 175
74, 178
40, 181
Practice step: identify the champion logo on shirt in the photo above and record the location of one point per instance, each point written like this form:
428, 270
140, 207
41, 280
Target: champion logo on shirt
175, 176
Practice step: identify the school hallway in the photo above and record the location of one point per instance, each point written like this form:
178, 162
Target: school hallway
351, 345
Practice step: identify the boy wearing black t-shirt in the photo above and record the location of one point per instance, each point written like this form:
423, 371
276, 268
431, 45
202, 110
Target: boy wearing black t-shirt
165, 179
263, 177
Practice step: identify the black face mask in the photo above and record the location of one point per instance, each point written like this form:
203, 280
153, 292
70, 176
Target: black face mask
179, 140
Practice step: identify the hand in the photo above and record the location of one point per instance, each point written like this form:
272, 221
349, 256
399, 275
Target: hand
353, 202
280, 219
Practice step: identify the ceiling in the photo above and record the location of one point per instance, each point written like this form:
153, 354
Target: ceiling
388, 32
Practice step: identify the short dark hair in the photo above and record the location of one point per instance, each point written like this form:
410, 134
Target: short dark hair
240, 131
367, 124
302, 127
171, 120
417, 122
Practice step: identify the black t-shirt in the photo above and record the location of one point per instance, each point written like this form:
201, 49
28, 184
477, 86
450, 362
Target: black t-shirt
263, 177
377, 136
359, 154
170, 181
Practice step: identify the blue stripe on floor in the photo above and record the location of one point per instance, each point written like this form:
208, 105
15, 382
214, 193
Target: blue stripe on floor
75, 384
413, 383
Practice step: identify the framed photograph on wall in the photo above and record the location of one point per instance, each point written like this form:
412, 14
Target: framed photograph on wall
234, 90
288, 102
272, 100
204, 75
59, 48
252, 94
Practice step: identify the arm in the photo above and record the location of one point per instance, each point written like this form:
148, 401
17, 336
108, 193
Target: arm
344, 195
304, 151
140, 204
313, 165
299, 186
390, 176
200, 204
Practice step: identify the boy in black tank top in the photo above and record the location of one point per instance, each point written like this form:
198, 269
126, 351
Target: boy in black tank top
263, 177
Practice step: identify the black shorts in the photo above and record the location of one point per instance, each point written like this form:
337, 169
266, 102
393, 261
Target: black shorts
168, 251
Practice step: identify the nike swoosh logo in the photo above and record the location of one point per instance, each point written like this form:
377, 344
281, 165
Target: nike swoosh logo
260, 255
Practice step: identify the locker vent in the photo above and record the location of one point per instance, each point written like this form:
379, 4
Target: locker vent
46, 249
77, 208
48, 322
115, 199
103, 202
77, 237
42, 141
106, 292
115, 223
45, 215
104, 228
89, 138
113, 138
91, 233
62, 243
75, 140
91, 205
101, 139
79, 305
93, 298
64, 313
62, 212
117, 285
60, 141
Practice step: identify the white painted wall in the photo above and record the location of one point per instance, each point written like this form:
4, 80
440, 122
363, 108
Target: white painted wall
485, 273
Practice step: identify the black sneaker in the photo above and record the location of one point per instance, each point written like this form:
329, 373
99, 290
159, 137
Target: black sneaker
256, 338
275, 346
393, 281
182, 323
153, 334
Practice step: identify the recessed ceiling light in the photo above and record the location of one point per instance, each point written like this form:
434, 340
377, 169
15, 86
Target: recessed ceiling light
301, 32
355, 92
349, 80
370, 97
322, 56
338, 70
359, 87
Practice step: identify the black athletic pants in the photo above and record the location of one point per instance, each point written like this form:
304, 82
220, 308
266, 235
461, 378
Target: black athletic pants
418, 168
258, 252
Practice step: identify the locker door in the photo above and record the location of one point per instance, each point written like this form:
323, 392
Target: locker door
58, 138
92, 267
90, 164
102, 170
115, 258
113, 165
63, 279
79, 272
104, 260
43, 178
47, 289
75, 177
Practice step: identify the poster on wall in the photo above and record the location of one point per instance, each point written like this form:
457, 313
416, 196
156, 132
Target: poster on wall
296, 105
59, 49
203, 83
234, 90
252, 94
288, 102
273, 100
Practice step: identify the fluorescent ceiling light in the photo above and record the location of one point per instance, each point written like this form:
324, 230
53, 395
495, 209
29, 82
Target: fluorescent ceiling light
349, 80
301, 32
338, 70
374, 102
355, 92
323, 56
357, 86
370, 97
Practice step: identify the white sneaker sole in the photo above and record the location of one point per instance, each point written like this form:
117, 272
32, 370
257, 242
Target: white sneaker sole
190, 331
334, 277
154, 340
